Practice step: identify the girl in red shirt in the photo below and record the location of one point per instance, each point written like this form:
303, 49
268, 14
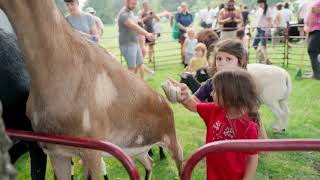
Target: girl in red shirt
235, 96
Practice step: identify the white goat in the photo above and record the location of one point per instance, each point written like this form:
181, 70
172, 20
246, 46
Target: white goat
274, 84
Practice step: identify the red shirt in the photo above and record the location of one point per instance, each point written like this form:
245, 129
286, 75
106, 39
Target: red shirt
228, 165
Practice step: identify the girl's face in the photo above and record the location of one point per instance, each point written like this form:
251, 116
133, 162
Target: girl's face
226, 60
199, 53
191, 34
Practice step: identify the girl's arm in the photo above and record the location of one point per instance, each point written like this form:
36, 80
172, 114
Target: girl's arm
191, 103
184, 46
262, 132
95, 33
252, 164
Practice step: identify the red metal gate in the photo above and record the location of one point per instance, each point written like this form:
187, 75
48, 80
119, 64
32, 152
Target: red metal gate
247, 146
82, 143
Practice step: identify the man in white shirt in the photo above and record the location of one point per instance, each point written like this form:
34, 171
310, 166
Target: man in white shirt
287, 13
207, 17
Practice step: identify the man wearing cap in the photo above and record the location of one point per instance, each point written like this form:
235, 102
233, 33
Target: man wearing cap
81, 21
229, 18
98, 21
128, 37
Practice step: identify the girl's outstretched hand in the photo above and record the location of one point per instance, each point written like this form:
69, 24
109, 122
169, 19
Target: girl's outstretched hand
184, 92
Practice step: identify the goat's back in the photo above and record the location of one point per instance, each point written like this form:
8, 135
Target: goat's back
272, 81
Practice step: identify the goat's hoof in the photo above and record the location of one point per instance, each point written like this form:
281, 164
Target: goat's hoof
277, 131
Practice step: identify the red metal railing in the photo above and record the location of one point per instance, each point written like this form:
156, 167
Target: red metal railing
82, 143
247, 146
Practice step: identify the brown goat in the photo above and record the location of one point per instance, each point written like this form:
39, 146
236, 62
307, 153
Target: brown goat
79, 89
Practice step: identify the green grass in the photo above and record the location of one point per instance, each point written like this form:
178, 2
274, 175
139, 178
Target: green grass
304, 122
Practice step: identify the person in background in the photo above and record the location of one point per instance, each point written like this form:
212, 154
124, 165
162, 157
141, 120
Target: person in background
98, 21
128, 37
302, 11
264, 24
244, 38
189, 46
230, 18
218, 26
184, 20
148, 16
199, 60
287, 13
174, 24
280, 25
144, 50
81, 21
245, 16
312, 27
206, 17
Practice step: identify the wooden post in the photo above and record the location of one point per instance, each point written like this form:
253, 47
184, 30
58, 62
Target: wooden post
7, 171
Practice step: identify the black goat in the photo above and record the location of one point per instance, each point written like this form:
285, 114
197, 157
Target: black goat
14, 91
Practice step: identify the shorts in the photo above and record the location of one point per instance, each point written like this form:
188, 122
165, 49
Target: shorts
132, 54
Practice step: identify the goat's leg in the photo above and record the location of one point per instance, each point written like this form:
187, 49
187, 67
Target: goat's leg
175, 151
147, 162
104, 169
92, 162
285, 112
38, 161
275, 108
61, 166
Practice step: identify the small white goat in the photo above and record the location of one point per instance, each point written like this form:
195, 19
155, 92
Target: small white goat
274, 85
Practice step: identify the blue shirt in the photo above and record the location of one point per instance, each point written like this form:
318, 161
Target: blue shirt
203, 93
184, 19
82, 22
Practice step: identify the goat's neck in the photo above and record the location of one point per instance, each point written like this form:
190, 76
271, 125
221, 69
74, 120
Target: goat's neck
42, 33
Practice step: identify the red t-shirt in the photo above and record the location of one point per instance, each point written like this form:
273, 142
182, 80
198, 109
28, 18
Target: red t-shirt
228, 165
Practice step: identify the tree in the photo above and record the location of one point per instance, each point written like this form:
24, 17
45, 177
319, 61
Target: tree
61, 6
106, 10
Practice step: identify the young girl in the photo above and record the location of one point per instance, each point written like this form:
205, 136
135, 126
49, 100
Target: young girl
235, 96
199, 59
189, 46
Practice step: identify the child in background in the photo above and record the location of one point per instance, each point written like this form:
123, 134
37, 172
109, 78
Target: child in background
199, 59
227, 118
144, 50
189, 46
241, 35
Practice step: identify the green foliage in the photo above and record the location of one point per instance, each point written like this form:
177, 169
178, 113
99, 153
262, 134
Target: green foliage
61, 6
106, 10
